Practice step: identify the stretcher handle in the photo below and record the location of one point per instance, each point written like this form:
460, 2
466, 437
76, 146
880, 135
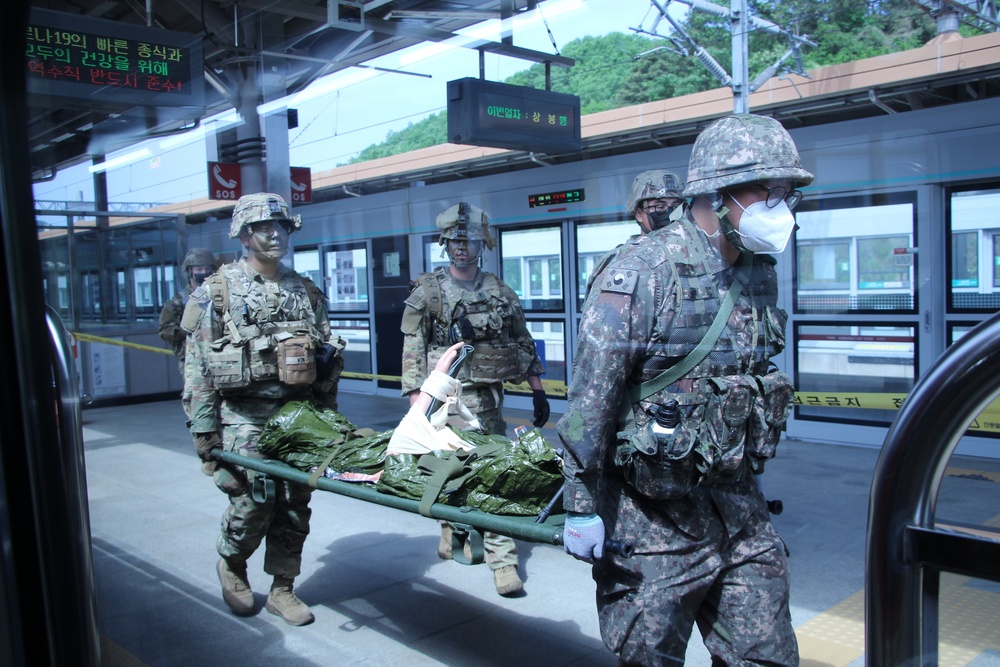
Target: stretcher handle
452, 372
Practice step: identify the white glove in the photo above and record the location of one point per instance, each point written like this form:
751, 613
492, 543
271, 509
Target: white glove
583, 536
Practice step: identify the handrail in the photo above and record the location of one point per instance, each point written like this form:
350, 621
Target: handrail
77, 597
905, 553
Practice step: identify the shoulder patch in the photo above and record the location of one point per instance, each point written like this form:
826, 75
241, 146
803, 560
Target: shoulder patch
619, 279
201, 294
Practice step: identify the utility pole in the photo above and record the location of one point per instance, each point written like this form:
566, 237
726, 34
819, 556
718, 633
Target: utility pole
740, 29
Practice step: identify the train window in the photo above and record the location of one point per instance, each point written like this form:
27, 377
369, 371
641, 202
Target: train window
594, 241
853, 373
357, 354
347, 278
855, 254
533, 266
974, 260
550, 342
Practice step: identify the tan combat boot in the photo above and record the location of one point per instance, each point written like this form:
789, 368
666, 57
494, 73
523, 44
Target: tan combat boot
235, 588
281, 601
507, 581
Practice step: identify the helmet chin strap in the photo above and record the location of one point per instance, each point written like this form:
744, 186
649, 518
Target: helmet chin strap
728, 230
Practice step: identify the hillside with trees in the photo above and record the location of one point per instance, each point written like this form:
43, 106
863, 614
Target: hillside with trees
618, 69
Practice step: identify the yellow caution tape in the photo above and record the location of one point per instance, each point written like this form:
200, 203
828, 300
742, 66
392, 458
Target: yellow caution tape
88, 338
988, 420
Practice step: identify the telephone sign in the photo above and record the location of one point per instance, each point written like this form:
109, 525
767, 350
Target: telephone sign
301, 185
224, 181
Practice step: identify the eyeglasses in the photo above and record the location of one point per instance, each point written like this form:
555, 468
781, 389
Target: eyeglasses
267, 227
658, 205
778, 193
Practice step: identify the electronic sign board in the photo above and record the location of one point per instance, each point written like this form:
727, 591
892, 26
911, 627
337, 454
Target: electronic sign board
104, 63
556, 198
487, 113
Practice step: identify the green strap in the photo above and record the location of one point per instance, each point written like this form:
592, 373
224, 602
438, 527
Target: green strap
698, 354
447, 474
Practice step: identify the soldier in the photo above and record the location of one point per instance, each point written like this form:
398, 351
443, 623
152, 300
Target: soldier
684, 492
461, 302
259, 338
199, 263
654, 200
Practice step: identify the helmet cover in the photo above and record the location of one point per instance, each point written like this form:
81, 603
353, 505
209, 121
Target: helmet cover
467, 222
743, 149
198, 257
653, 184
261, 207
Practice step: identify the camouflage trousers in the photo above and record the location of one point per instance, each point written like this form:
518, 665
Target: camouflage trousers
735, 588
498, 550
282, 519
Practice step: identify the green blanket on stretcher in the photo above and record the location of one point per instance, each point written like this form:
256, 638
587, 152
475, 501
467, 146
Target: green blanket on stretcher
498, 476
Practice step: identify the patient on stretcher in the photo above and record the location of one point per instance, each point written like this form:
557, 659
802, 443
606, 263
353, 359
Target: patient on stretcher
488, 472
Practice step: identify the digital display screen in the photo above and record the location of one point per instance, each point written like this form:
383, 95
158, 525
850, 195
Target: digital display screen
486, 113
555, 198
79, 57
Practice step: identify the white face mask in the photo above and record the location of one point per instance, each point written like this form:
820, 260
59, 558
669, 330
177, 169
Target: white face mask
764, 229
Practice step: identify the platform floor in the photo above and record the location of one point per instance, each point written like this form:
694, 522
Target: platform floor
381, 596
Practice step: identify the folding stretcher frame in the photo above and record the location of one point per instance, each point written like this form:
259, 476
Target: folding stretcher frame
464, 519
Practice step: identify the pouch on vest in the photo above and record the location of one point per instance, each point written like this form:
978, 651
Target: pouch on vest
296, 360
771, 408
723, 436
228, 367
491, 363
661, 471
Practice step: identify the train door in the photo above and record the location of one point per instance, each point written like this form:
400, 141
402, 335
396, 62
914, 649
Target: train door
342, 272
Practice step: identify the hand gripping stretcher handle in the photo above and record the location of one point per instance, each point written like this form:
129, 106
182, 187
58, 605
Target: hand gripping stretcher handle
463, 354
616, 547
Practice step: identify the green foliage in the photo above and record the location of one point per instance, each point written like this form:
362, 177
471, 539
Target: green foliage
620, 69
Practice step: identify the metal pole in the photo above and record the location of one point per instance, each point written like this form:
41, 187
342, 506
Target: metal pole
740, 28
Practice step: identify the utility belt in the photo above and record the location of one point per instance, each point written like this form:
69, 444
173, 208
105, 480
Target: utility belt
491, 361
287, 355
728, 425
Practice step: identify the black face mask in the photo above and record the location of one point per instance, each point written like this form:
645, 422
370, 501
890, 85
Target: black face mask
660, 219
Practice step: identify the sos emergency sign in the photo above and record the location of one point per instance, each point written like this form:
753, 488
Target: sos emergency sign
224, 181
301, 185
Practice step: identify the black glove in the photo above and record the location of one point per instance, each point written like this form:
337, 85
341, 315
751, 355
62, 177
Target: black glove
541, 404
204, 443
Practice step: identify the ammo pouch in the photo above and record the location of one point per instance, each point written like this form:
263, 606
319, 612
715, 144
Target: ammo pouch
659, 468
296, 357
722, 438
493, 362
228, 367
771, 408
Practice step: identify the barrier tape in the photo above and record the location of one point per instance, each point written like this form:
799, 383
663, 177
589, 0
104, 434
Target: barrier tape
88, 338
987, 421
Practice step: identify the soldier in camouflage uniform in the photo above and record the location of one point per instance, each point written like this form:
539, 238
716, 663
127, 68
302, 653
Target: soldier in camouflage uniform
198, 264
688, 500
460, 302
259, 338
654, 200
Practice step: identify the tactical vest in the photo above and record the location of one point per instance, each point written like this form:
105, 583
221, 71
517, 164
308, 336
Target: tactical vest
480, 317
269, 331
733, 409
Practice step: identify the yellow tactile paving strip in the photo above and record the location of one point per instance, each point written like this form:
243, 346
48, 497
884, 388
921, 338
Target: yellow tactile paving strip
968, 624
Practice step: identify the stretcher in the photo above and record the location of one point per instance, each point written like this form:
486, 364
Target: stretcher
469, 523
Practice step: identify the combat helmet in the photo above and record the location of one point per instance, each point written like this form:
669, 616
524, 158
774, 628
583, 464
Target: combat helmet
261, 207
465, 221
198, 257
653, 184
740, 149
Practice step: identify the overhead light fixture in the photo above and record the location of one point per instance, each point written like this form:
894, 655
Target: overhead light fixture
119, 161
